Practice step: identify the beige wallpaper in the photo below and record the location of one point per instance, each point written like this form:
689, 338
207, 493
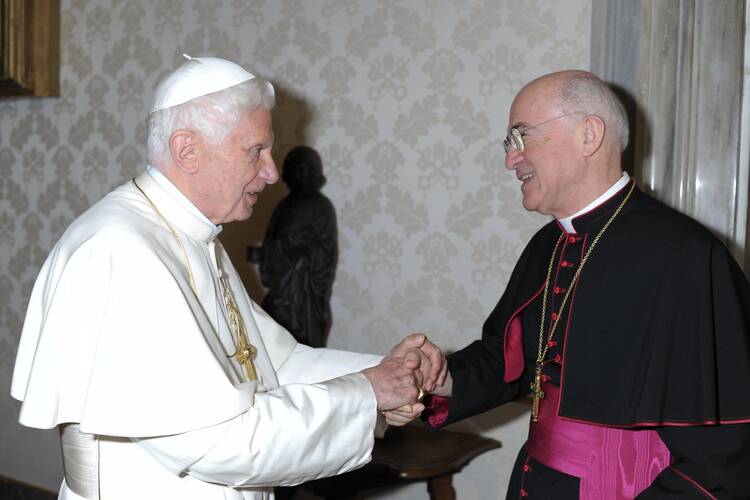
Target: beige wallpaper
406, 101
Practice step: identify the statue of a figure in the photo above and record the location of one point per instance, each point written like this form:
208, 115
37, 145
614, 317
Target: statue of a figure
299, 252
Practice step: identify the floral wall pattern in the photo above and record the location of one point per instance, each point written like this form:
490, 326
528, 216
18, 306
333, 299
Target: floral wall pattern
406, 100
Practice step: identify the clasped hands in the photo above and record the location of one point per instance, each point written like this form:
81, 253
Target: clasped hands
414, 364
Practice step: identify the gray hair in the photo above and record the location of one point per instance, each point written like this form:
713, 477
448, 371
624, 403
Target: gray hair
586, 94
213, 115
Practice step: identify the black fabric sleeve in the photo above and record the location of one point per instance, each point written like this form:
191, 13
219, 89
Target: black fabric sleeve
711, 461
477, 370
478, 385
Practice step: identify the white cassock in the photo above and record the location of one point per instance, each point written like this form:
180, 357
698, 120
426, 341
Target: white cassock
116, 342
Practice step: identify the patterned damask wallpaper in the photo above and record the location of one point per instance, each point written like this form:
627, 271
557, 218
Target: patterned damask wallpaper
406, 100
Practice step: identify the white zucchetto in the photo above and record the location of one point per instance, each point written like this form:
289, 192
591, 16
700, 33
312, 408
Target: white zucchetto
197, 77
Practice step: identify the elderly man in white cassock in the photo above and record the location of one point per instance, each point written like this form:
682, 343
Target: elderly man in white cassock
140, 344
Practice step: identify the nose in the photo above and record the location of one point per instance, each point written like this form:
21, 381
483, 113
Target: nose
512, 157
268, 171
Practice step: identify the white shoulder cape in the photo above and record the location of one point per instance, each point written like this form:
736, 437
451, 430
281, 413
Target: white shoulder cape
113, 327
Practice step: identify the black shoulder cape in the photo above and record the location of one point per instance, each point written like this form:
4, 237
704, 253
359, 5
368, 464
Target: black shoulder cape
659, 326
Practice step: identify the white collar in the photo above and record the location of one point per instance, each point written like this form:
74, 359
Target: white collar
176, 207
567, 222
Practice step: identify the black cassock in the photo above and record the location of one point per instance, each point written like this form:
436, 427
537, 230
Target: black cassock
299, 265
656, 336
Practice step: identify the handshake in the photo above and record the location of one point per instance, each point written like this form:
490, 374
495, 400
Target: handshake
413, 368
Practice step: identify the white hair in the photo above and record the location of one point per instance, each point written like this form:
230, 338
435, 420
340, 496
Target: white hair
213, 115
586, 94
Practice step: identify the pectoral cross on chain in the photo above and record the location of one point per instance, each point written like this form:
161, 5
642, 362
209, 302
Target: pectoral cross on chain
536, 389
244, 352
244, 355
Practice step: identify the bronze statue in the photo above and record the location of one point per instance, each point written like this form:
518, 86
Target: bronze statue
299, 252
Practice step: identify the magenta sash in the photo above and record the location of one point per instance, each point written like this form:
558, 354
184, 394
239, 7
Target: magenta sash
611, 463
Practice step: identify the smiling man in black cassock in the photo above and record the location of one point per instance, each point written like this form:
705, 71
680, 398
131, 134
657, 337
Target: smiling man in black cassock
624, 320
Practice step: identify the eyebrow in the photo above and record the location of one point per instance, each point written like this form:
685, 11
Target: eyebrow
269, 143
519, 125
264, 144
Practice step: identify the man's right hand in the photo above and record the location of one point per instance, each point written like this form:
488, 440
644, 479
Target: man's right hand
433, 363
396, 381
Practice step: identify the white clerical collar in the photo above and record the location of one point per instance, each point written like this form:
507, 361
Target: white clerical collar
567, 222
194, 223
167, 185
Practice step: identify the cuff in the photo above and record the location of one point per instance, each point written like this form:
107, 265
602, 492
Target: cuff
436, 410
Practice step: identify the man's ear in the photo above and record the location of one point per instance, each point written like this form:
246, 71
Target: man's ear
593, 134
184, 149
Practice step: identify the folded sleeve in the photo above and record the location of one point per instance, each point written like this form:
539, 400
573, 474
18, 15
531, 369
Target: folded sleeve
292, 434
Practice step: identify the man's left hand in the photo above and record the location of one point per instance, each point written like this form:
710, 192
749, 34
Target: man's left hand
403, 415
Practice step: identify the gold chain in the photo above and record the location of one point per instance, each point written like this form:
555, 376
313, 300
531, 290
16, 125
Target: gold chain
544, 346
244, 351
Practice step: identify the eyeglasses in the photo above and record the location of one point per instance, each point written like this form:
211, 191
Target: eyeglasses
515, 138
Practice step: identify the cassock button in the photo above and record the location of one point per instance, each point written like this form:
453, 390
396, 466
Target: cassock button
557, 358
572, 239
527, 468
563, 263
523, 493
551, 343
545, 378
554, 316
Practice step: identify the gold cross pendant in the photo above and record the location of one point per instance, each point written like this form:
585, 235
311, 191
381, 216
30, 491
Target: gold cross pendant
536, 389
244, 356
244, 351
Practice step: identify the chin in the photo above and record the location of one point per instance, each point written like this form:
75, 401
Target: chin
529, 204
238, 216
245, 214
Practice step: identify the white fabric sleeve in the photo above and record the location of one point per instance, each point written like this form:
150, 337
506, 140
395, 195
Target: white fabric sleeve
292, 434
309, 365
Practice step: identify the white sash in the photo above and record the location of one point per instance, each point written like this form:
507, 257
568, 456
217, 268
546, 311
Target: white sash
81, 464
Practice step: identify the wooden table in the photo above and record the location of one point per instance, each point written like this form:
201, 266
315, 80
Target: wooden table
409, 454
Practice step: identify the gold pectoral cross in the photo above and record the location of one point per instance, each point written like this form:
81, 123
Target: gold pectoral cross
244, 352
536, 389
244, 355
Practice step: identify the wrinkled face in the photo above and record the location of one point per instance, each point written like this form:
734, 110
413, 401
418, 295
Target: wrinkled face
235, 171
548, 168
